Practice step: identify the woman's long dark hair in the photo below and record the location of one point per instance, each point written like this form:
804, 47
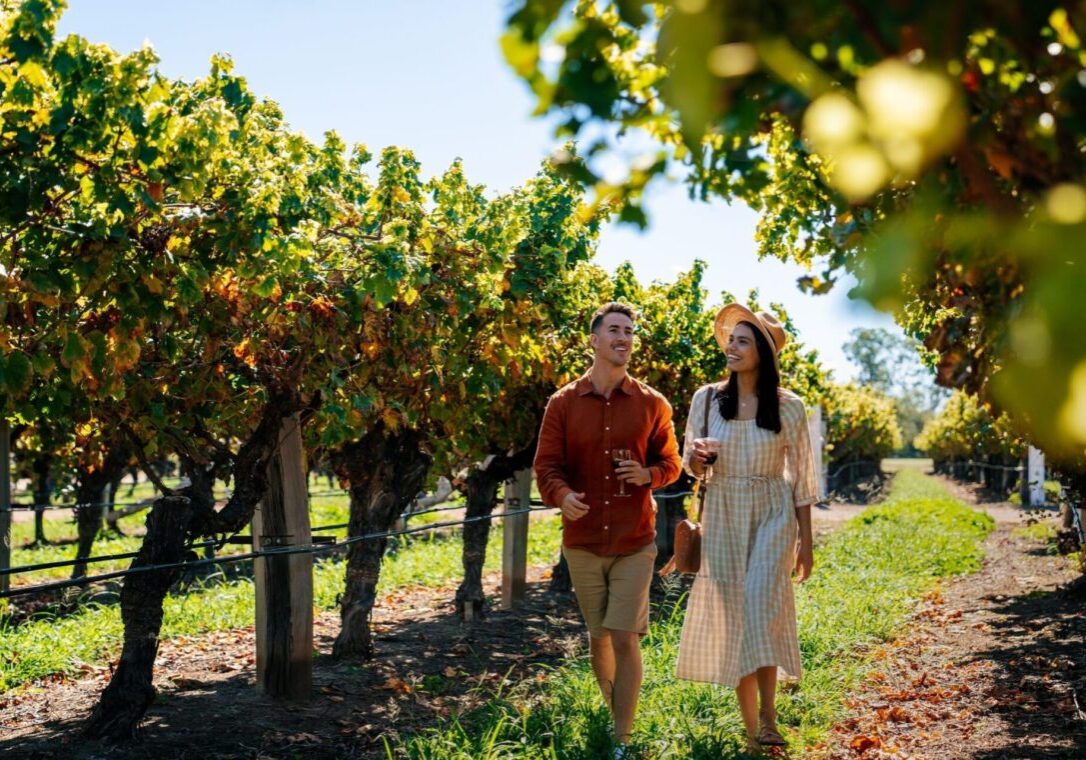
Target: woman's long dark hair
769, 380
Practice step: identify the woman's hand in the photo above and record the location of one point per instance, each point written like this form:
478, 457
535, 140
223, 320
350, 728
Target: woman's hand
697, 459
804, 561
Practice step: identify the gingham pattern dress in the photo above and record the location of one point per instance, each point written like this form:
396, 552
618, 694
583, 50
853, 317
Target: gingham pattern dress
741, 613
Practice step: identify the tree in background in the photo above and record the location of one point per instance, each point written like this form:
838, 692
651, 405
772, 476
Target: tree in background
861, 425
932, 149
965, 430
891, 364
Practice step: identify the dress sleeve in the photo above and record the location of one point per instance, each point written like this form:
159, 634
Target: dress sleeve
693, 425
800, 457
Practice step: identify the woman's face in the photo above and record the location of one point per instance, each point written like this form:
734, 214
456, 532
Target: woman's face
742, 352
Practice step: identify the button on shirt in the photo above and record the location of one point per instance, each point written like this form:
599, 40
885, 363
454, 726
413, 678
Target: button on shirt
580, 429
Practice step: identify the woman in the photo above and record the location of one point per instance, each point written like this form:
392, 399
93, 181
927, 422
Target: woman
740, 627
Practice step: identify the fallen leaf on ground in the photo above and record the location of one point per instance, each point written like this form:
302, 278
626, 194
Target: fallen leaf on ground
303, 738
397, 685
863, 743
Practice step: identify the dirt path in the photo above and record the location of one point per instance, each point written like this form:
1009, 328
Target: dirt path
992, 665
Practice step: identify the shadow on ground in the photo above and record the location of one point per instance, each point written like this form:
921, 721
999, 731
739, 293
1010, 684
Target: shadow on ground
427, 669
1040, 672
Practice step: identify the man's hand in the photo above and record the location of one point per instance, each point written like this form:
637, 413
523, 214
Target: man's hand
572, 506
632, 472
804, 561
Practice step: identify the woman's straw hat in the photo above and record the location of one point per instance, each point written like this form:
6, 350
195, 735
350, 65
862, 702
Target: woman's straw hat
732, 314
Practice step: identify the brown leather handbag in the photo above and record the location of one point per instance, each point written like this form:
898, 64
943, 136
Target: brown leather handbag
687, 556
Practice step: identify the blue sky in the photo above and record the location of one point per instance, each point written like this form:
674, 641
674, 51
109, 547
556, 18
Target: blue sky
418, 74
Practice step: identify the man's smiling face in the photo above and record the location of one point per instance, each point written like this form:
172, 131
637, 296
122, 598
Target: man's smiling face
613, 340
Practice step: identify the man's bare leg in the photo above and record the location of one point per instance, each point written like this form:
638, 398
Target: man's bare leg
603, 665
628, 669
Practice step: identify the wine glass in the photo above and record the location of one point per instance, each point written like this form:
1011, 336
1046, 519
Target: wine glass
618, 456
711, 447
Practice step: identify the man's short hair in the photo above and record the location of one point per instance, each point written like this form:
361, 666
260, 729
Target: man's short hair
614, 307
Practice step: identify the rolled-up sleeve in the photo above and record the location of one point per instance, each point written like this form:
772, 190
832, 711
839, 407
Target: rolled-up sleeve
550, 456
694, 421
664, 461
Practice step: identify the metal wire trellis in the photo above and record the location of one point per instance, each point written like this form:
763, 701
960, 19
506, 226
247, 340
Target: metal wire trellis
1009, 476
312, 548
534, 506
834, 480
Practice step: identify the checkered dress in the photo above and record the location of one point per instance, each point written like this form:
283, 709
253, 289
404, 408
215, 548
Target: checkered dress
741, 613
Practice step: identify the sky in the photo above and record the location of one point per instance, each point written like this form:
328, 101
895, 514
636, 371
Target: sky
417, 74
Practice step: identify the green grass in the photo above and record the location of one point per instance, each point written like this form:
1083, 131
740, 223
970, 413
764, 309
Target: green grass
1053, 493
893, 464
868, 577
61, 532
1043, 531
93, 634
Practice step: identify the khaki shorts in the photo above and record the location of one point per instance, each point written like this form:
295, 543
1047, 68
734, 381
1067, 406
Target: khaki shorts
612, 592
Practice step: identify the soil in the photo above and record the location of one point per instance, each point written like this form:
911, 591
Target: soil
992, 665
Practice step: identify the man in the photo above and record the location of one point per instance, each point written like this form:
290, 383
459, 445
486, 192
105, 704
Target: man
607, 440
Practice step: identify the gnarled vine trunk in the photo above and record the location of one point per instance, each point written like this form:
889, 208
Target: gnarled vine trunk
43, 494
173, 523
385, 469
561, 583
130, 691
481, 491
108, 514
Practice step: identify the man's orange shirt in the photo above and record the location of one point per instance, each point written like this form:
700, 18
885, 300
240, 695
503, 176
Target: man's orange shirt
580, 428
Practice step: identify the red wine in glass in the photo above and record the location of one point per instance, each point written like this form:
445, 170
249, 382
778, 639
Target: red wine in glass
709, 448
618, 456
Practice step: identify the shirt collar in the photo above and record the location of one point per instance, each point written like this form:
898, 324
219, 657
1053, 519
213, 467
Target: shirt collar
585, 387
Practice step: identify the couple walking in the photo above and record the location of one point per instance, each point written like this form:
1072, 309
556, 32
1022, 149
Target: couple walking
607, 440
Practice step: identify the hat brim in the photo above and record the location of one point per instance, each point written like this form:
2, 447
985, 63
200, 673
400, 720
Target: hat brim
731, 315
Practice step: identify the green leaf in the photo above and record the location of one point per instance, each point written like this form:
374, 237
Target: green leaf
521, 54
632, 12
33, 73
43, 364
74, 350
265, 287
15, 372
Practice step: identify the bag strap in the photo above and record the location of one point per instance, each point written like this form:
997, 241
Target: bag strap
699, 490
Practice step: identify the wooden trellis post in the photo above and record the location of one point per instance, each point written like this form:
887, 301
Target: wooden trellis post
518, 494
1035, 476
284, 584
814, 426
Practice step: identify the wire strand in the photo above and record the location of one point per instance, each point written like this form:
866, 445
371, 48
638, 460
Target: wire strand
272, 552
